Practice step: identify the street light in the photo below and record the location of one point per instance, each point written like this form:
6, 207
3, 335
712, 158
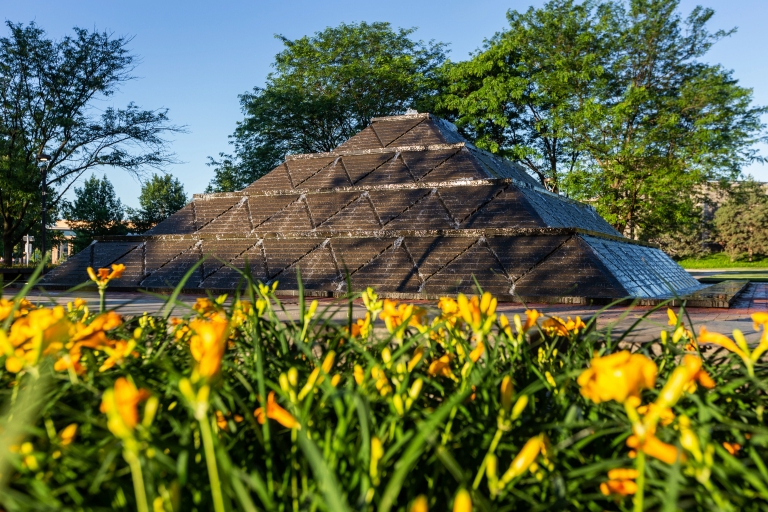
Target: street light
46, 159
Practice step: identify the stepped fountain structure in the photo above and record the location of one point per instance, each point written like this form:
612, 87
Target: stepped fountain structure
406, 206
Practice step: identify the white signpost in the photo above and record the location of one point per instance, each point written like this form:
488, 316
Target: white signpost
28, 239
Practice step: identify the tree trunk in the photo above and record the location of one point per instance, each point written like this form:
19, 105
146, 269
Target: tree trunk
7, 251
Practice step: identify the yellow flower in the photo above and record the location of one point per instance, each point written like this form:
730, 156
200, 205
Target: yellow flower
371, 301
377, 452
664, 414
524, 459
277, 413
362, 328
208, 344
418, 354
477, 352
359, 374
120, 404
652, 447
617, 377
531, 317
759, 319
681, 379
68, 433
718, 339
117, 353
441, 366
104, 275
23, 306
382, 384
555, 326
478, 313
420, 504
41, 331
621, 482
395, 315
462, 502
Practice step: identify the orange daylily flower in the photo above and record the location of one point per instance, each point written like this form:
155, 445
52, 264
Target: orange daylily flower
721, 340
621, 482
104, 275
531, 317
477, 352
120, 404
277, 413
395, 314
208, 344
732, 448
759, 319
478, 313
652, 447
22, 309
681, 379
555, 326
441, 366
665, 414
68, 433
617, 377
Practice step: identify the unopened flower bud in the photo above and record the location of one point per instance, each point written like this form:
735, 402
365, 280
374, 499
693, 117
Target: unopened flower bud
415, 389
506, 393
293, 377
284, 384
519, 406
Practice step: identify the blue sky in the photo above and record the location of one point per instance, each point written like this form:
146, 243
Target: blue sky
196, 57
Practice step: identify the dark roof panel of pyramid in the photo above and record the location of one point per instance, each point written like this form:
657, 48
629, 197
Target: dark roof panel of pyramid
407, 206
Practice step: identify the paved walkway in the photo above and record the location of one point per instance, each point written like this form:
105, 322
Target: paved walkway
754, 298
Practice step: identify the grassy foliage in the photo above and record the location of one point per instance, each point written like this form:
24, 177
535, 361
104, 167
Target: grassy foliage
230, 408
722, 260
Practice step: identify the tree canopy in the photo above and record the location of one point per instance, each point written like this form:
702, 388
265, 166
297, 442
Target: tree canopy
49, 90
741, 222
324, 89
96, 211
161, 196
611, 103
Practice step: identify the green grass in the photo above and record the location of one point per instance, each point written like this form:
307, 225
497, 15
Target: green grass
722, 260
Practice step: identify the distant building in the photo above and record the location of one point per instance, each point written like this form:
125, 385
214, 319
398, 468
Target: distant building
62, 246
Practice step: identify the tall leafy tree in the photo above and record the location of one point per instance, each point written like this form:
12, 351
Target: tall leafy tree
614, 103
741, 222
523, 95
161, 196
96, 211
324, 89
48, 91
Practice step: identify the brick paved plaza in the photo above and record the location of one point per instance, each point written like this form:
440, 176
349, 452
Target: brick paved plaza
754, 298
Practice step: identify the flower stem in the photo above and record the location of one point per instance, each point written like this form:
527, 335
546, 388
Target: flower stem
491, 451
102, 304
210, 460
138, 480
640, 466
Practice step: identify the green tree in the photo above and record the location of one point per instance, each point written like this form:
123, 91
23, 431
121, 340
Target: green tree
524, 94
48, 91
161, 196
741, 222
325, 88
612, 103
96, 211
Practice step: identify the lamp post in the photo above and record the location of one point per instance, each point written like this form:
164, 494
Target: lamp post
46, 159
